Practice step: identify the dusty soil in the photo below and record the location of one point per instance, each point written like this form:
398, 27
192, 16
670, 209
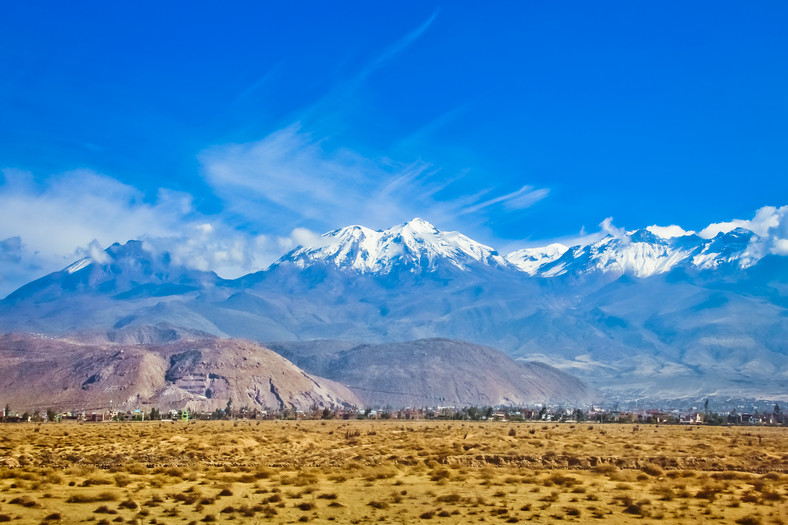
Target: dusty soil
391, 472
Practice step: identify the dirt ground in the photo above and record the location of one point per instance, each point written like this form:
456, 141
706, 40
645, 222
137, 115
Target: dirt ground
391, 472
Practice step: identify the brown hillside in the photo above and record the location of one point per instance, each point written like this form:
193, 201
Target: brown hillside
38, 372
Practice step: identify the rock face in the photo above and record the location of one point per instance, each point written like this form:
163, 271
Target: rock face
39, 372
437, 372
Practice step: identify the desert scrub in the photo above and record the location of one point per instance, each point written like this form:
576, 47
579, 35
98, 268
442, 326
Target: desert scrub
91, 498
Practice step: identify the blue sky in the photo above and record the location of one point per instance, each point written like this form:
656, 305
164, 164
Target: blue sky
229, 134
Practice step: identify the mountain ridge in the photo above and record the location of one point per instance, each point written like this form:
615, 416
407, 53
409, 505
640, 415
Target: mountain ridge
703, 314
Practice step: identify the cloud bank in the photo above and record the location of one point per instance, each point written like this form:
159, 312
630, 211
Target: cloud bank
46, 226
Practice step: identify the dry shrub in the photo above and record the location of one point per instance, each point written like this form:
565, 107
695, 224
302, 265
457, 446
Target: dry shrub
605, 468
708, 492
439, 474
262, 473
376, 473
652, 470
378, 505
300, 480
24, 501
122, 480
561, 480
187, 497
749, 520
136, 468
449, 498
5, 517
85, 498
153, 501
769, 495
95, 481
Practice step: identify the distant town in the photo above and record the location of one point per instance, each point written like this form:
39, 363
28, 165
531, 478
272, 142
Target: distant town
703, 416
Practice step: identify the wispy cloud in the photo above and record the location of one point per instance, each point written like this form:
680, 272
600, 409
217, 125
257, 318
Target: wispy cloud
399, 46
292, 178
525, 197
343, 92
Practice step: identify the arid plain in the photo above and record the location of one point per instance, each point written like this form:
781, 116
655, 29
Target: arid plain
391, 472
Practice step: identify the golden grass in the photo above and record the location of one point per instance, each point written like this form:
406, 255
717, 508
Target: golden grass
390, 471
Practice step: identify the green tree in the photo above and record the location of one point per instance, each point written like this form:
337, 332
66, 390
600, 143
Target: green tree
51, 415
228, 410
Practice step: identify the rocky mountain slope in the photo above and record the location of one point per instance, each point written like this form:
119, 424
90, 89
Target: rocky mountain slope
38, 372
437, 372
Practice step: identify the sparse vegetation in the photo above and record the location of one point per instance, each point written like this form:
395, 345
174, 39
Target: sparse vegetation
364, 471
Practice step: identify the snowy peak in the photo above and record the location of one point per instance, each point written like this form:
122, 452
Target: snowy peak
529, 260
415, 246
418, 246
646, 252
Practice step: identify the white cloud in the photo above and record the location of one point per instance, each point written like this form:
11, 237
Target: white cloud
609, 229
766, 220
669, 232
770, 224
78, 214
712, 230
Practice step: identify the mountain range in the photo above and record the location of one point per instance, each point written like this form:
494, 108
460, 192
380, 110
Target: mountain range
650, 313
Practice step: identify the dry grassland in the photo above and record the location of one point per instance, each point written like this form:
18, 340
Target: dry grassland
391, 472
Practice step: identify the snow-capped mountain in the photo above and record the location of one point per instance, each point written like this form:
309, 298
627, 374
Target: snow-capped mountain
529, 260
642, 253
651, 323
416, 246
124, 270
